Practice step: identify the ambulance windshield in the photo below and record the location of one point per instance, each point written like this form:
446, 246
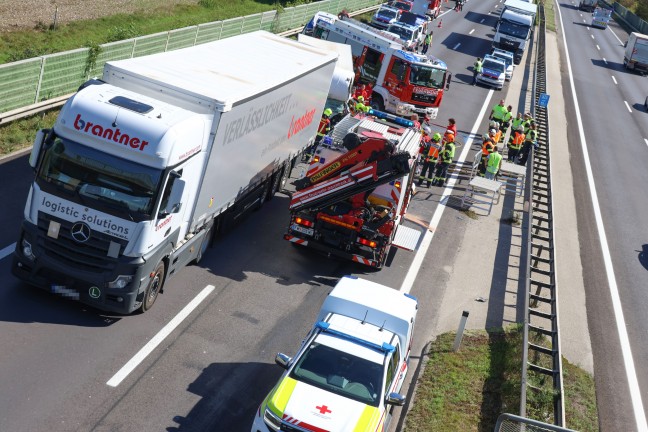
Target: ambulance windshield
99, 180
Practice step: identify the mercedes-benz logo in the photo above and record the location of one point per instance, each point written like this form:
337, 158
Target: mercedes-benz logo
80, 232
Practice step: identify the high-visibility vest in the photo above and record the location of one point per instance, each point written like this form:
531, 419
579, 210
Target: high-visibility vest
493, 163
532, 135
360, 107
448, 152
433, 152
324, 126
507, 116
516, 123
499, 111
516, 140
487, 147
477, 67
498, 136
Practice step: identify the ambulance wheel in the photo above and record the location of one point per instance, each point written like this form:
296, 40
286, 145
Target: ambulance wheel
154, 287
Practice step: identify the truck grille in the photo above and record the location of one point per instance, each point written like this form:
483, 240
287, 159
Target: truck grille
91, 255
509, 44
422, 97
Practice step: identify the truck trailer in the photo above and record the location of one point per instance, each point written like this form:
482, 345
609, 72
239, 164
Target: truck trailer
350, 368
143, 166
635, 57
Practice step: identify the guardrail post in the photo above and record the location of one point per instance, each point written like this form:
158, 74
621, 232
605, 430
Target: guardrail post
40, 79
460, 331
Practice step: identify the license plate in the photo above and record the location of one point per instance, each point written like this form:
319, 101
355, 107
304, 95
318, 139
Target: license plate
65, 292
301, 229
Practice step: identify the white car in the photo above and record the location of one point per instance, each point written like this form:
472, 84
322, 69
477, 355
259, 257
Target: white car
493, 72
411, 36
509, 59
385, 16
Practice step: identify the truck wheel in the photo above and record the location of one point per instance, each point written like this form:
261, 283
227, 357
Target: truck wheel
154, 287
276, 183
377, 102
264, 195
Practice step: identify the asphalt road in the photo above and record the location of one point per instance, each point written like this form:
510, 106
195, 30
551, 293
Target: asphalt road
214, 369
615, 126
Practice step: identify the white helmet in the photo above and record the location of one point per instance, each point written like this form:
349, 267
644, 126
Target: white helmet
427, 130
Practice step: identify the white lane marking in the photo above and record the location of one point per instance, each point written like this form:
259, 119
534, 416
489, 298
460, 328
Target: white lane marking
415, 267
627, 106
614, 79
646, 141
158, 338
456, 46
471, 31
592, 36
604, 60
588, 29
7, 251
598, 47
631, 374
481, 21
615, 35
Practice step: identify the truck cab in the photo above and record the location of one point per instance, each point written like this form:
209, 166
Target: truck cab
513, 33
351, 366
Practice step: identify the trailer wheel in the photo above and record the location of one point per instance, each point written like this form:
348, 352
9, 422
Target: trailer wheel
154, 287
276, 183
264, 195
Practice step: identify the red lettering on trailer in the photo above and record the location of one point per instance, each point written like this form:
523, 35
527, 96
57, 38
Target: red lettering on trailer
108, 133
300, 124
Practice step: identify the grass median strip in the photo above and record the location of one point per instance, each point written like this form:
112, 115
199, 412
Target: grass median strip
467, 390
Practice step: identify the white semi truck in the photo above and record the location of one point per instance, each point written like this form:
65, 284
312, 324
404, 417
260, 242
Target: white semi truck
351, 366
143, 166
514, 28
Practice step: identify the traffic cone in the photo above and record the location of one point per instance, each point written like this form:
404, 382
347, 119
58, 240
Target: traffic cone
440, 23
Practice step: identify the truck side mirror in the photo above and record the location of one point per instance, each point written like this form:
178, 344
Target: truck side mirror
282, 360
395, 399
174, 204
38, 144
448, 81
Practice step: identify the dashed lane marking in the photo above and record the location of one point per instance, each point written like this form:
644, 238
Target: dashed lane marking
627, 106
614, 79
7, 251
471, 31
456, 46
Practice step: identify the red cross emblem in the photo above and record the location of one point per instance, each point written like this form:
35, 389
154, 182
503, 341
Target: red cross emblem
323, 409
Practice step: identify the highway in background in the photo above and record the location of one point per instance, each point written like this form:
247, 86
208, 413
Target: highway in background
213, 370
615, 126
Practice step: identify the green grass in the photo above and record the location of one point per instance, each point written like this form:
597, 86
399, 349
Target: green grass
550, 15
21, 133
41, 40
467, 390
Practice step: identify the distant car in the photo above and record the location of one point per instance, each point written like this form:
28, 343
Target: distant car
493, 72
402, 5
411, 36
508, 58
385, 16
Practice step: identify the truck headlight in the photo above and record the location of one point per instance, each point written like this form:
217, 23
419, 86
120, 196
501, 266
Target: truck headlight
432, 112
27, 250
271, 420
120, 282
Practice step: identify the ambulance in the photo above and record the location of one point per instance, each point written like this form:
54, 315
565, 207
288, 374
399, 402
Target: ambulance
350, 369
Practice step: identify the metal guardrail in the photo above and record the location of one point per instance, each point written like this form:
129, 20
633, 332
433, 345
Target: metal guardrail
26, 86
513, 423
542, 355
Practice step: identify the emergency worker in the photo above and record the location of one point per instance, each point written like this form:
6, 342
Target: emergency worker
517, 122
498, 112
493, 163
445, 159
477, 68
325, 125
531, 139
515, 143
487, 148
360, 106
429, 160
452, 126
506, 119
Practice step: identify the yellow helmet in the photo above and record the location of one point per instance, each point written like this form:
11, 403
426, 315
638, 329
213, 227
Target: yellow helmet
328, 112
360, 98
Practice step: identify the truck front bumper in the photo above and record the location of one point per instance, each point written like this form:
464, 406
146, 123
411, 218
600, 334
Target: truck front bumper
54, 275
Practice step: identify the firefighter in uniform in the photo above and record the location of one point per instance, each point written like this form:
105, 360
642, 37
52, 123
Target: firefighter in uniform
531, 139
360, 106
324, 125
515, 143
430, 158
445, 159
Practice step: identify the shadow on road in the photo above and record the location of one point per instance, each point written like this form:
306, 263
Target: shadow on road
230, 394
643, 256
471, 45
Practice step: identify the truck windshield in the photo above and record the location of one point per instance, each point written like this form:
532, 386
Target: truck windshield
513, 29
426, 76
340, 373
97, 179
387, 13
